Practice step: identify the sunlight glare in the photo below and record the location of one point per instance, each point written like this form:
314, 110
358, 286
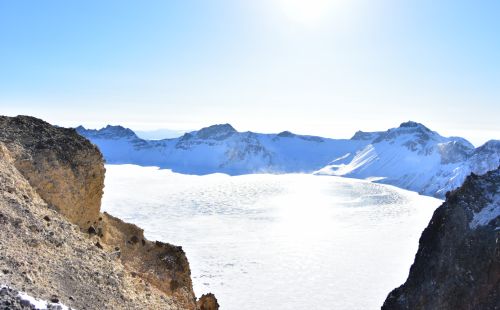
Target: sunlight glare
308, 12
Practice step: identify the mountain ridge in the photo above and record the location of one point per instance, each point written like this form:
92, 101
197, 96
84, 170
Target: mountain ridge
410, 156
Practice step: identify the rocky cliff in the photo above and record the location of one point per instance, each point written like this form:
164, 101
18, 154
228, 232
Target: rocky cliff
56, 245
457, 265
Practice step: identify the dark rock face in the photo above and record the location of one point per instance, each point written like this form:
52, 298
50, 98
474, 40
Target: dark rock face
457, 265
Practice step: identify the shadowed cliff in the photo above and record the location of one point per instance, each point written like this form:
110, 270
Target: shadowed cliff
457, 265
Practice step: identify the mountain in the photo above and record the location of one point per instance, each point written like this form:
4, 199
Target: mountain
410, 156
457, 264
416, 158
220, 148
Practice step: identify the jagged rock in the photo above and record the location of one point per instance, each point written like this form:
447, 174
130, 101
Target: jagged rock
457, 265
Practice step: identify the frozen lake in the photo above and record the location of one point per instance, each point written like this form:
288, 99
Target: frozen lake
264, 241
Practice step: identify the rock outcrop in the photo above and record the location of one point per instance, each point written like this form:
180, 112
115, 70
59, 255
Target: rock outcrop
56, 244
457, 265
65, 169
208, 302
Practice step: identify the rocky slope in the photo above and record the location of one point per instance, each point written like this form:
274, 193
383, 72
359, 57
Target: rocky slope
457, 265
410, 156
55, 243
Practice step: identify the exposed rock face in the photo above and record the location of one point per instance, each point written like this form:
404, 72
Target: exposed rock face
64, 168
51, 180
457, 265
161, 264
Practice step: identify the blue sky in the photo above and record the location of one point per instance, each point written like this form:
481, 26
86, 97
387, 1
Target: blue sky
325, 67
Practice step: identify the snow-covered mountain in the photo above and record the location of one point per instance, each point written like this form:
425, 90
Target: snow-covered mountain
416, 158
410, 156
220, 148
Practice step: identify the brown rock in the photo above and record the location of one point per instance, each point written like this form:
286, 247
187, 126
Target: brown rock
208, 302
161, 264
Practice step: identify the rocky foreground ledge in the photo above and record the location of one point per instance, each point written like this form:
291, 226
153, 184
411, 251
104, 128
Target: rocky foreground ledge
457, 265
56, 244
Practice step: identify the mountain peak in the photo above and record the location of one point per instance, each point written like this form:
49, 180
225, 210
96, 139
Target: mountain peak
286, 134
216, 132
109, 131
119, 131
364, 136
412, 124
413, 135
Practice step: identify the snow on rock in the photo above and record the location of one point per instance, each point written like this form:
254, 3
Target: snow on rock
491, 209
13, 299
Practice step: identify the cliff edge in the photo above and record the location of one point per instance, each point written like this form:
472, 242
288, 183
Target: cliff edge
55, 242
457, 265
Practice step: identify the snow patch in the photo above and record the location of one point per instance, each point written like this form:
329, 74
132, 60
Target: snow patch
38, 304
487, 214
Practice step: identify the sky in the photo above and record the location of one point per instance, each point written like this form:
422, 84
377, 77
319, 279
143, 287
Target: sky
322, 67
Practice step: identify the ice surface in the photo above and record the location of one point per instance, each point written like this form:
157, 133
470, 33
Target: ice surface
292, 241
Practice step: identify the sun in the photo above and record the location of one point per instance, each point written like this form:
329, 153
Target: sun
307, 12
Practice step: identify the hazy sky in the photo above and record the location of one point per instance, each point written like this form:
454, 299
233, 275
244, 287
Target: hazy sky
325, 67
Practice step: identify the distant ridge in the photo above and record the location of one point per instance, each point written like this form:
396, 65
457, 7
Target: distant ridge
410, 156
